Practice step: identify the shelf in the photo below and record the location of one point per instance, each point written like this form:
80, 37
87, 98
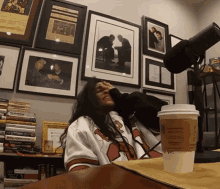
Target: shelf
208, 77
31, 155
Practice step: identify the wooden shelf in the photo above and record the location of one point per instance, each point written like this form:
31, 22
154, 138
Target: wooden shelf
208, 77
30, 155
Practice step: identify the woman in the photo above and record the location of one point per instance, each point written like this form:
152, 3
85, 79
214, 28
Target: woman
100, 130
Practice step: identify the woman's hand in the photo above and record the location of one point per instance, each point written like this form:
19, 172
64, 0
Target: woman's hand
104, 85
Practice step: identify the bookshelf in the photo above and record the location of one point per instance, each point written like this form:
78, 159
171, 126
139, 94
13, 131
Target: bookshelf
14, 161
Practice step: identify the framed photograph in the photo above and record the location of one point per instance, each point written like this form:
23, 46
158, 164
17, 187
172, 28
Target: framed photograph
9, 56
50, 140
61, 26
18, 20
49, 73
169, 98
156, 76
112, 50
156, 37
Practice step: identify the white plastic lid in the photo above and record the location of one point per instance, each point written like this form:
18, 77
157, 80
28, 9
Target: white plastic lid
178, 109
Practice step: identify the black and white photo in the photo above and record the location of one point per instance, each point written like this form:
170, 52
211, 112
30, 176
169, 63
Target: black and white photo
113, 48
112, 52
46, 72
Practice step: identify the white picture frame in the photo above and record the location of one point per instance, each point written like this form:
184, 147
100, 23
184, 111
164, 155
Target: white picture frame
9, 57
69, 65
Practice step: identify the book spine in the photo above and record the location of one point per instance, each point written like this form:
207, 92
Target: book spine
22, 181
6, 144
3, 107
26, 171
19, 102
19, 110
31, 134
4, 110
16, 118
20, 114
2, 121
4, 100
20, 126
2, 126
20, 138
2, 169
52, 171
14, 142
19, 129
48, 171
21, 176
42, 173
2, 132
2, 140
21, 122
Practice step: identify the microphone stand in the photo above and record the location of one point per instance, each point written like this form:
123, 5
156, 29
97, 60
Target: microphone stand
201, 156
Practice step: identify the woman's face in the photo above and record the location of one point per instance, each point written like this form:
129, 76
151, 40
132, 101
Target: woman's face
102, 92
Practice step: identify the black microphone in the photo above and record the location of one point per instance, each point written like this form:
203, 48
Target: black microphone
187, 52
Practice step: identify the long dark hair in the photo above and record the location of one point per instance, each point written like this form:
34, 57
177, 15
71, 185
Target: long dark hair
87, 104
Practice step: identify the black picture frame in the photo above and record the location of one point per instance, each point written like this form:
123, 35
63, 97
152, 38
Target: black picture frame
167, 97
149, 47
9, 59
156, 76
126, 73
66, 25
174, 40
66, 83
24, 35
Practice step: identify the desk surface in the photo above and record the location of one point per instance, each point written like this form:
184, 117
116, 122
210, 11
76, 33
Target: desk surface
107, 176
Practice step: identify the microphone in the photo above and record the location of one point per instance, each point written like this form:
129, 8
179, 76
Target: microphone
186, 53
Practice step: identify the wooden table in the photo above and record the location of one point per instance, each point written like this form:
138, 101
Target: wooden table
104, 177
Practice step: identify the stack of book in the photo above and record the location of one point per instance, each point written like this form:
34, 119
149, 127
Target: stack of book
19, 106
20, 128
3, 112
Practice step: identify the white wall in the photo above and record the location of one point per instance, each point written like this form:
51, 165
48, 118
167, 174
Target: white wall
181, 20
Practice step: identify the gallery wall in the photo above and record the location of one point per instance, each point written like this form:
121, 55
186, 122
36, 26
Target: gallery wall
182, 22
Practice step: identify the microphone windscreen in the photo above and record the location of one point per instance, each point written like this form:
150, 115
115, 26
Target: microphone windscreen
179, 58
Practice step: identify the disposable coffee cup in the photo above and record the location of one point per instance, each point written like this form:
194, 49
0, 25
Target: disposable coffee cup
179, 127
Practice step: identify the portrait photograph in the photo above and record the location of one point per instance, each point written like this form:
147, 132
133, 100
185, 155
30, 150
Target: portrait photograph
156, 37
17, 6
113, 48
112, 52
50, 73
156, 76
167, 97
9, 56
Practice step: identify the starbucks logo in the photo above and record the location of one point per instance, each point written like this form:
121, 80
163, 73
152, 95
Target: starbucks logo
162, 128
